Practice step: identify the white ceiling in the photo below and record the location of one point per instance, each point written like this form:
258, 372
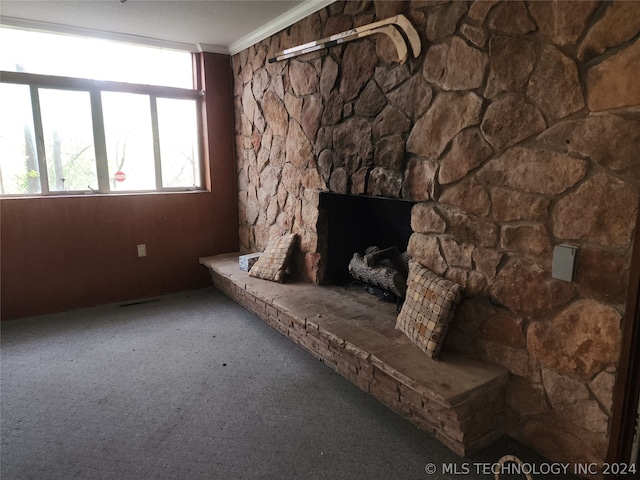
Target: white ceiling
210, 25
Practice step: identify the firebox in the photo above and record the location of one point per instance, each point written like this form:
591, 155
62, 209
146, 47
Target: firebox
354, 223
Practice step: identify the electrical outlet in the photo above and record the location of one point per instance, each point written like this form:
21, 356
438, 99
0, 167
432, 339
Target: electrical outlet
142, 250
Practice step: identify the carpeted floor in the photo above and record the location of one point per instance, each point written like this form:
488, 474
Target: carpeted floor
192, 386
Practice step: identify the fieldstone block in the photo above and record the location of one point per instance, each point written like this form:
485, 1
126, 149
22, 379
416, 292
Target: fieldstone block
358, 63
468, 150
530, 241
390, 121
275, 113
509, 205
412, 97
511, 17
527, 289
607, 222
454, 65
420, 180
468, 195
614, 83
426, 219
620, 23
555, 85
534, 170
425, 250
581, 341
562, 22
450, 113
512, 61
602, 275
510, 119
585, 137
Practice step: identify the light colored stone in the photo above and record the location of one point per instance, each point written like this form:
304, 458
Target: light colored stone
585, 137
389, 78
509, 205
311, 179
512, 61
333, 109
412, 97
358, 64
248, 102
339, 182
259, 84
527, 289
534, 170
298, 148
425, 250
277, 154
420, 180
509, 119
328, 76
556, 439
456, 254
474, 34
426, 219
469, 228
602, 275
390, 121
571, 399
555, 85
620, 23
562, 22
290, 179
293, 105
468, 150
480, 8
389, 152
386, 9
310, 116
614, 82
454, 65
450, 113
486, 261
601, 210
468, 195
359, 182
371, 101
602, 389
580, 341
352, 143
442, 20
384, 182
530, 241
511, 17
526, 398
275, 113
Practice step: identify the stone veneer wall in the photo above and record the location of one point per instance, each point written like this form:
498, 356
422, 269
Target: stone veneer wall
517, 128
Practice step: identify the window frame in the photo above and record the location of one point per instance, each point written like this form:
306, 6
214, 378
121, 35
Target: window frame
95, 89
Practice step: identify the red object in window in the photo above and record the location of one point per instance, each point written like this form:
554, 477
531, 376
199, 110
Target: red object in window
120, 177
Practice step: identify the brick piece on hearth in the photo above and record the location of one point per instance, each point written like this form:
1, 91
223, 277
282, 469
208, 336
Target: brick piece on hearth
246, 261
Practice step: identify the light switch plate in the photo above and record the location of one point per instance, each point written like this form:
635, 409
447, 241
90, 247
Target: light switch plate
564, 262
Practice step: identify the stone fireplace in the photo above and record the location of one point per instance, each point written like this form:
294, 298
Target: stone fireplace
517, 129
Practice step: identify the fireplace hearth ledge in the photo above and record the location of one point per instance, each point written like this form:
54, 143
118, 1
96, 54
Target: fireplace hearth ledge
458, 399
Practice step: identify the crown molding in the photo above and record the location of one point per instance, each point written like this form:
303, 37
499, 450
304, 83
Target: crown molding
280, 23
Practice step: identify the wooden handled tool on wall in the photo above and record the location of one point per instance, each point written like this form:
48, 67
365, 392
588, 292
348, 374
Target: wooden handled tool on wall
391, 27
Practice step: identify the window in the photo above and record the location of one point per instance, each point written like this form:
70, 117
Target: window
61, 134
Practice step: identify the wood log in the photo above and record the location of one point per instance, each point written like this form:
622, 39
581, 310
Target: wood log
382, 276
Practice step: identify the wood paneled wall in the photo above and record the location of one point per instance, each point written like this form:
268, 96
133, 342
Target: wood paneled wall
62, 253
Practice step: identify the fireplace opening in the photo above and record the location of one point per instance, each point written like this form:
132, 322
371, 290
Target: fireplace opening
355, 223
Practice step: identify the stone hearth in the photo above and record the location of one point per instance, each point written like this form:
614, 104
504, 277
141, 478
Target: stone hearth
457, 399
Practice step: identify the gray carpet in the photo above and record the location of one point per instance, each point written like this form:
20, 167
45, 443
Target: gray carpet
192, 386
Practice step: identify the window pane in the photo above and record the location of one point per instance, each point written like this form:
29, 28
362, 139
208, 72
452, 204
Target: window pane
19, 172
68, 139
94, 58
129, 138
178, 129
